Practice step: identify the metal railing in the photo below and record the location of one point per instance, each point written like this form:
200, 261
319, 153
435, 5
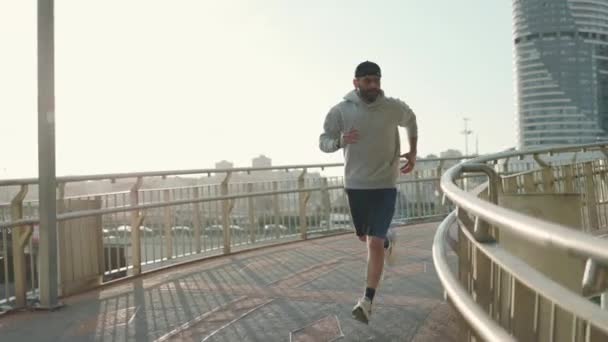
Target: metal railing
531, 260
108, 235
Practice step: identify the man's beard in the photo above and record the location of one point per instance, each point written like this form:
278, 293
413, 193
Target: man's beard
369, 96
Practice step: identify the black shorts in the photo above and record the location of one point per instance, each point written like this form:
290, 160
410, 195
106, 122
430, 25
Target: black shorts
372, 210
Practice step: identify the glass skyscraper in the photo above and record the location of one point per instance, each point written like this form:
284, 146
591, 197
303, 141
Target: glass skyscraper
561, 60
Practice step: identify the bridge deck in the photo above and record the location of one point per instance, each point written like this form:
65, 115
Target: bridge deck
302, 291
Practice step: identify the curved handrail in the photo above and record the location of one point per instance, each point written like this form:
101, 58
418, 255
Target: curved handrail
540, 150
538, 282
477, 318
538, 231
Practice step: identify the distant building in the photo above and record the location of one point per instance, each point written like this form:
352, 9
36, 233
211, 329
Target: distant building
261, 161
450, 154
561, 63
224, 165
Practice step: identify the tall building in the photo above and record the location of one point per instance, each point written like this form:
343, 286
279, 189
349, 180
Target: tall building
561, 60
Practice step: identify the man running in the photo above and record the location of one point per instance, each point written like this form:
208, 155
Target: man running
365, 125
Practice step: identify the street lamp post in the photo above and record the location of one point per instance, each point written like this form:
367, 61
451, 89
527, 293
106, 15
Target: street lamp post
46, 156
466, 133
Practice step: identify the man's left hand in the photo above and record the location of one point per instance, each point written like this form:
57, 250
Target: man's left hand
411, 162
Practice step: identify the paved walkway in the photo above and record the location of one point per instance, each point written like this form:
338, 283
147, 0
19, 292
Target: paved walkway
298, 292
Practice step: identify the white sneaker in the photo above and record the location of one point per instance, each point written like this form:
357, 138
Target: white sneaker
389, 252
363, 310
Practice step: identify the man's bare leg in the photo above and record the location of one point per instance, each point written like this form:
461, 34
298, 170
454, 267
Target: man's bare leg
375, 265
375, 261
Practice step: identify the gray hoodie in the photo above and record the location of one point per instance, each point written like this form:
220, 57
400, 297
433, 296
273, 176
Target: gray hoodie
372, 162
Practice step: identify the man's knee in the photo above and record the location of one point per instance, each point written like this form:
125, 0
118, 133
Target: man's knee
375, 242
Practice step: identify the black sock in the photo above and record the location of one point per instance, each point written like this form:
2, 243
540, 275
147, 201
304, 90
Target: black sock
369, 293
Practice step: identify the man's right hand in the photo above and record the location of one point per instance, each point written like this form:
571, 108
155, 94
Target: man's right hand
350, 137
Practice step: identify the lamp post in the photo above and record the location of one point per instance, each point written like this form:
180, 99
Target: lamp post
466, 134
46, 156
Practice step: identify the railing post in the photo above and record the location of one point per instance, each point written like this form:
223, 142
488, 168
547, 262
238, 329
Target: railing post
303, 201
196, 210
543, 164
253, 225
590, 196
574, 158
522, 320
61, 205
603, 180
62, 234
495, 188
548, 180
529, 185
440, 205
482, 281
226, 214
276, 209
510, 185
505, 166
325, 202
168, 216
547, 174
417, 195
20, 237
463, 248
136, 221
5, 252
568, 179
481, 230
595, 278
604, 151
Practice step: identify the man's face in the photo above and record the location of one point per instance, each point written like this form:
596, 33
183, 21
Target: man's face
368, 86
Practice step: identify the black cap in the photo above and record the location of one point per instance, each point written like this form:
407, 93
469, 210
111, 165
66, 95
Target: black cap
367, 68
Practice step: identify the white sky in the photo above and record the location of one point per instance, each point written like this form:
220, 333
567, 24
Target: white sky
156, 84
